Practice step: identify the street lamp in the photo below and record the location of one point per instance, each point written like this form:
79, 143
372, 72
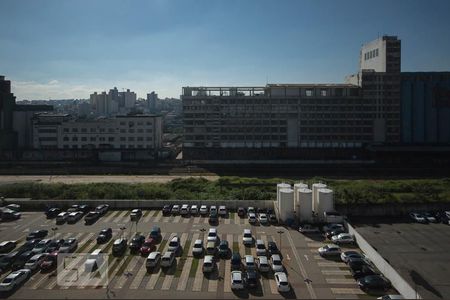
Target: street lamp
54, 231
280, 232
203, 232
121, 232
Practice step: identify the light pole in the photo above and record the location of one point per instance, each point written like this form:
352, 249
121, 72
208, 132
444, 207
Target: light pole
280, 232
54, 231
203, 233
121, 231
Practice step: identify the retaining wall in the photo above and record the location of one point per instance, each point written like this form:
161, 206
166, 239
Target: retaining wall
401, 285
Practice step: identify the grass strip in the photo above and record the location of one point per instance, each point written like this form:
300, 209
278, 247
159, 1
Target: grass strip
235, 246
125, 264
183, 258
162, 245
248, 251
85, 245
155, 213
194, 267
146, 213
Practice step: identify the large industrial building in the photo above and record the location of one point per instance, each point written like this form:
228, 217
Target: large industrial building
310, 121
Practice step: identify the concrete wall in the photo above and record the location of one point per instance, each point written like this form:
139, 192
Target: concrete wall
28, 204
388, 210
388, 271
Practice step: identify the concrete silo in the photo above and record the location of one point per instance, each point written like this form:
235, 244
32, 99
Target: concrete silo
305, 205
326, 202
286, 204
297, 187
279, 187
315, 199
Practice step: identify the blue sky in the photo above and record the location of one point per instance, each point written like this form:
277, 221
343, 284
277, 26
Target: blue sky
69, 49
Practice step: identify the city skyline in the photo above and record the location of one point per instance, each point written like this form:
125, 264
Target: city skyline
62, 49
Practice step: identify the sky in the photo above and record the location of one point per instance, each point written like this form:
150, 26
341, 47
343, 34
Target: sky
61, 49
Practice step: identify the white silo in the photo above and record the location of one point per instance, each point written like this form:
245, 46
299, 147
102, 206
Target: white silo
326, 202
304, 197
286, 204
297, 187
279, 187
315, 199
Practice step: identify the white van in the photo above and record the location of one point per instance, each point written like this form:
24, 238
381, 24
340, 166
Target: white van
94, 261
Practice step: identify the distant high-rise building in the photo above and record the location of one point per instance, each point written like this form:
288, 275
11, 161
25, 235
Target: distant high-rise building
129, 99
151, 101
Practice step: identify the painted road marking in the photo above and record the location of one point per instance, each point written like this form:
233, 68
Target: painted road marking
139, 276
340, 280
198, 280
148, 217
182, 281
120, 216
108, 218
167, 282
153, 280
196, 220
158, 217
124, 277
329, 264
347, 291
335, 272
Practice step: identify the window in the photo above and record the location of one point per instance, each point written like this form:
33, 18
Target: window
123, 139
122, 123
84, 130
75, 139
123, 130
140, 139
66, 139
111, 130
309, 93
131, 130
131, 139
66, 129
83, 139
111, 139
92, 130
74, 129
323, 93
376, 52
93, 139
140, 130
148, 131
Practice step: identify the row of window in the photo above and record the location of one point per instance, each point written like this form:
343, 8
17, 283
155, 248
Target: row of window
105, 146
371, 54
103, 139
102, 130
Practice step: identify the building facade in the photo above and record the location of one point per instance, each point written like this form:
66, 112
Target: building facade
59, 131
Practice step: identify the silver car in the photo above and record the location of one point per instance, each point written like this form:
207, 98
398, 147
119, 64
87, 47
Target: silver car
14, 279
197, 249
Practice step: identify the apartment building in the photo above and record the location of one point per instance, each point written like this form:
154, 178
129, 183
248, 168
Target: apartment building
60, 131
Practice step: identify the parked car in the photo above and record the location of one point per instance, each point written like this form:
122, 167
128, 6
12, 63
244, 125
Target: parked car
249, 262
203, 210
37, 234
272, 248
136, 243
223, 211
10, 215
174, 244
236, 261
7, 261
263, 220
119, 247
73, 208
430, 218
343, 238
347, 254
167, 259
153, 259
102, 209
251, 209
28, 245
69, 246
34, 262
197, 249
52, 212
209, 264
84, 208
94, 261
374, 282
148, 246
212, 235
7, 246
54, 245
104, 235
91, 217
166, 209
224, 249
251, 279
21, 260
282, 282
263, 264
213, 208
211, 248
49, 262
329, 250
213, 217
247, 237
175, 209
42, 246
308, 228
330, 233
363, 272
391, 297
444, 217
237, 282
241, 212
260, 248
61, 218
14, 279
419, 218
356, 264
252, 218
276, 263
155, 233
185, 210
333, 226
13, 207
135, 215
74, 217
194, 210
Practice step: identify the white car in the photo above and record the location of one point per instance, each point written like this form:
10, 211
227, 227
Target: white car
41, 246
197, 249
212, 235
194, 209
430, 218
351, 253
391, 297
249, 262
282, 282
203, 210
34, 262
209, 264
237, 282
308, 228
222, 210
247, 238
174, 244
167, 259
419, 218
263, 219
153, 259
329, 250
74, 217
14, 279
184, 211
263, 264
251, 209
135, 214
68, 246
343, 238
260, 248
252, 218
175, 209
276, 264
62, 217
94, 261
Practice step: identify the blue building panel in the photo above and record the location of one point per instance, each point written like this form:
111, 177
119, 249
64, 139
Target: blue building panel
418, 113
406, 111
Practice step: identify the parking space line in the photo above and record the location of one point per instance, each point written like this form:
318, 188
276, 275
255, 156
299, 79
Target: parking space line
227, 221
196, 220
335, 272
206, 220
166, 219
212, 283
198, 280
182, 281
108, 218
158, 217
340, 280
176, 219
139, 276
120, 216
153, 280
347, 291
330, 264
168, 279
186, 220
235, 218
148, 217
273, 286
315, 245
241, 246
123, 278
227, 277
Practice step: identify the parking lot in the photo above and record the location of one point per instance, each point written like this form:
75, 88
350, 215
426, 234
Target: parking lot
309, 275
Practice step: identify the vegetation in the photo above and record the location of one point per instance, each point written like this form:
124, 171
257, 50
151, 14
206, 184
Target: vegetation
346, 191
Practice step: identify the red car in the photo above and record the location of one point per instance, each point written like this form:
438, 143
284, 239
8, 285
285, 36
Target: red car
148, 246
50, 261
